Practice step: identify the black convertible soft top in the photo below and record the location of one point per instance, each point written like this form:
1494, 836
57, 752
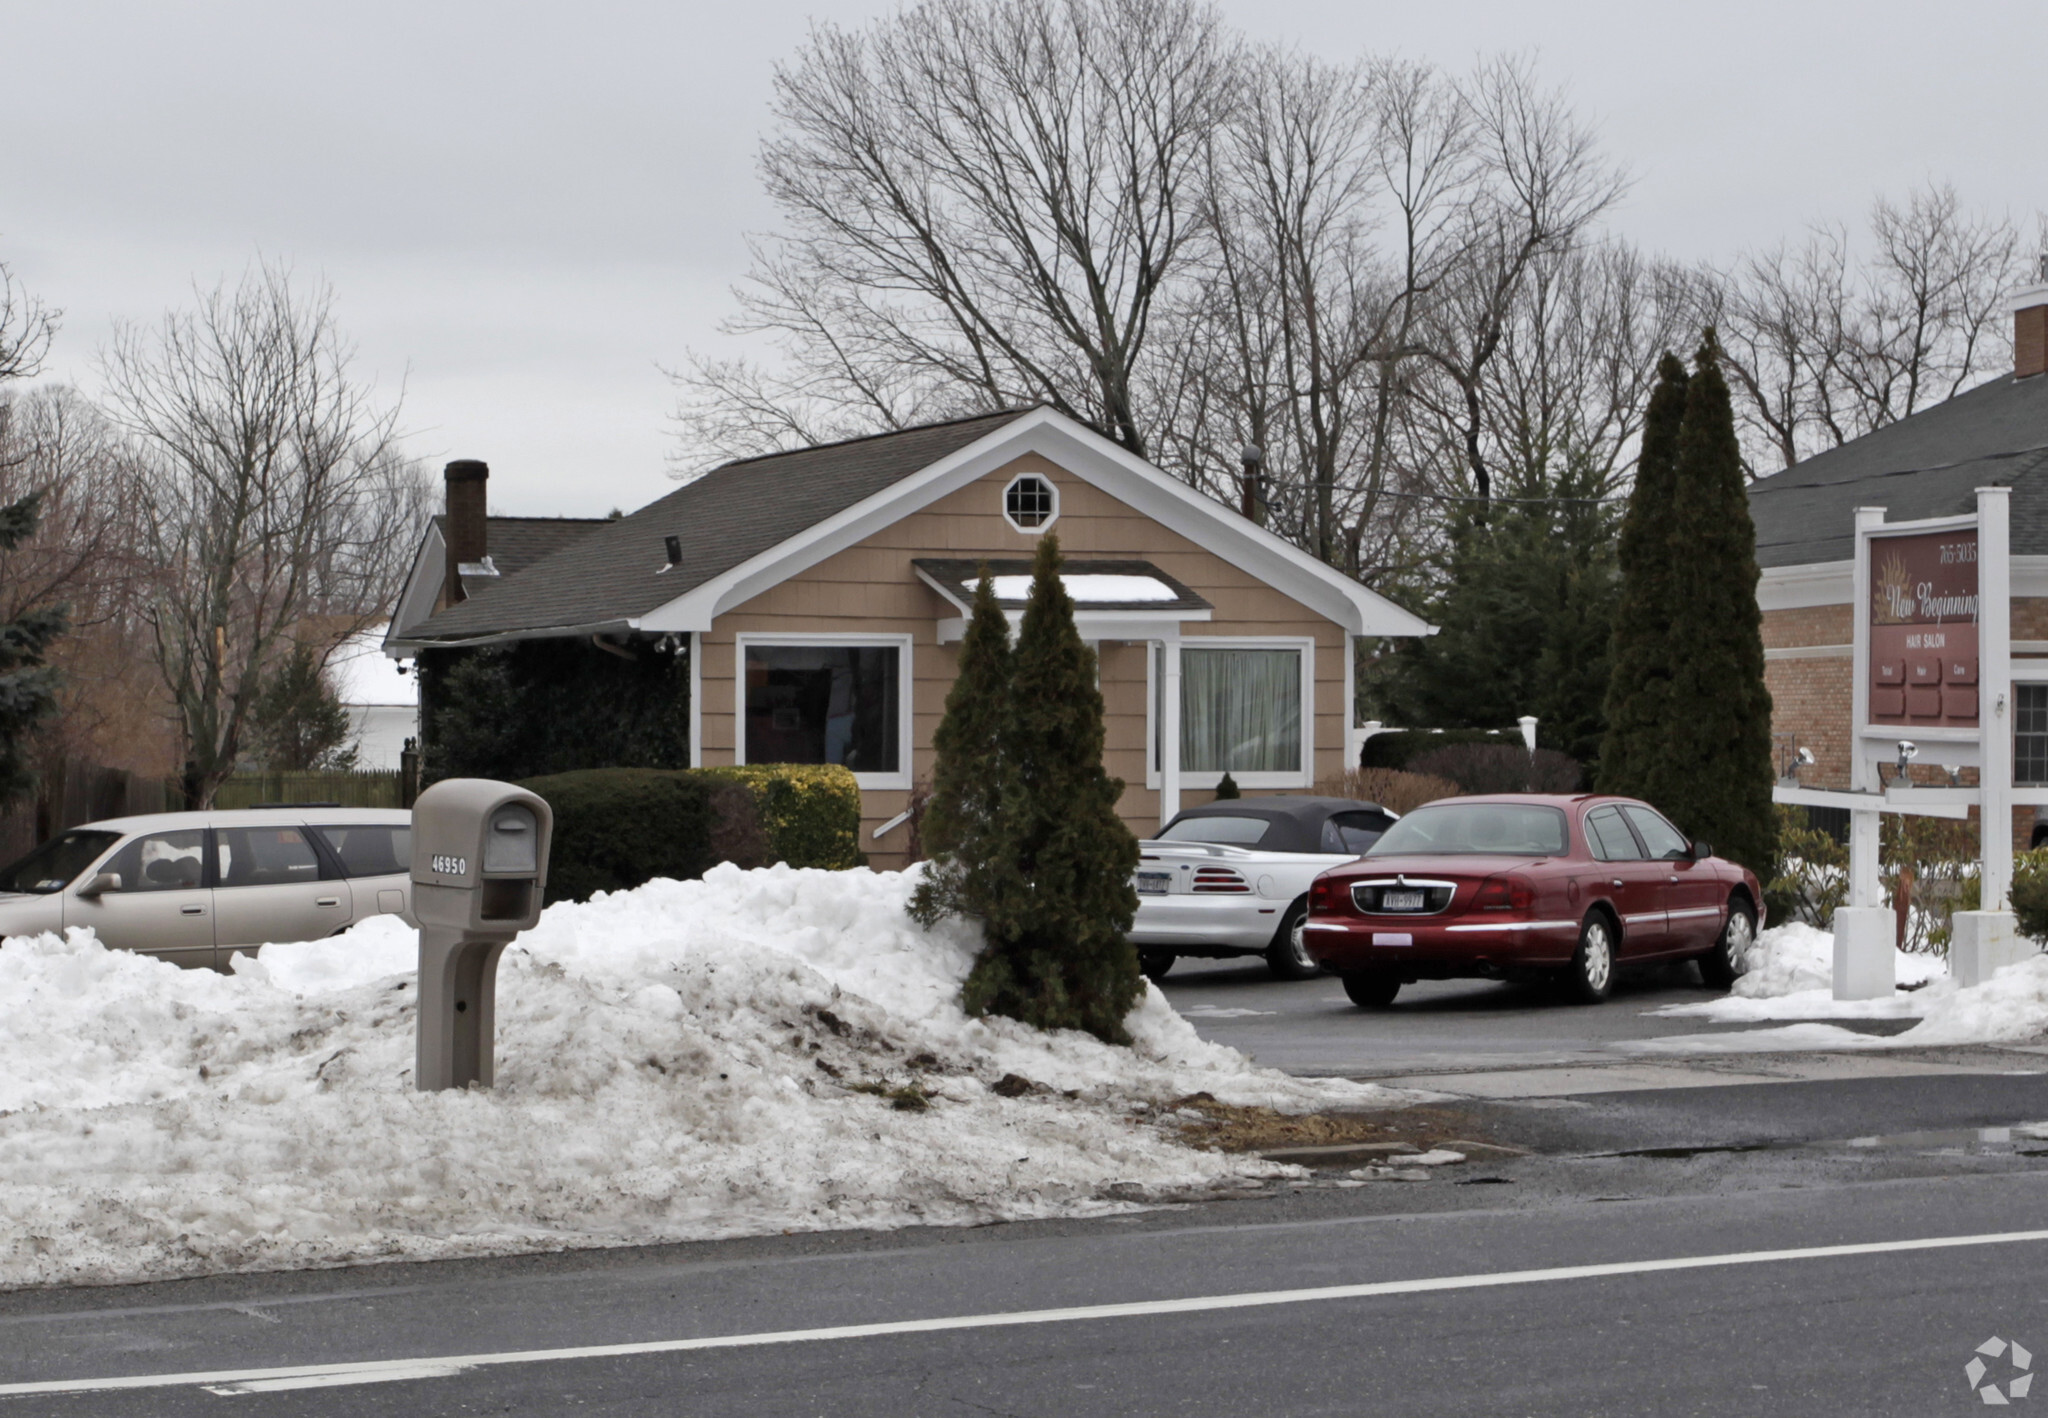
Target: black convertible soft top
1297, 821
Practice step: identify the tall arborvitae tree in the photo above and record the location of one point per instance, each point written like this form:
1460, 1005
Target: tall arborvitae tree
1636, 755
1058, 952
1720, 711
960, 820
28, 686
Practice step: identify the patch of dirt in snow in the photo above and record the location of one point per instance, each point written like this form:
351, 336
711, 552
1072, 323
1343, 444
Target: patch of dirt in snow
755, 1052
1204, 1122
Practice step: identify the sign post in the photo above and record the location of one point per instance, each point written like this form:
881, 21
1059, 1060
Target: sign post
1932, 661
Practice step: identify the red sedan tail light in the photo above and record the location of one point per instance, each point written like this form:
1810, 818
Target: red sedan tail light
1323, 896
1504, 893
1220, 879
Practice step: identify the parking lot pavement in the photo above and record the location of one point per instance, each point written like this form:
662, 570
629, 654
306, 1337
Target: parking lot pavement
1309, 1027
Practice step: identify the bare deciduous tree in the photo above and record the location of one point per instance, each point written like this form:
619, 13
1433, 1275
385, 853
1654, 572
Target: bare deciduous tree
984, 203
275, 504
26, 328
1823, 345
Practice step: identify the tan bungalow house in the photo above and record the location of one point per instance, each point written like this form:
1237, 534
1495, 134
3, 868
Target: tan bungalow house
820, 596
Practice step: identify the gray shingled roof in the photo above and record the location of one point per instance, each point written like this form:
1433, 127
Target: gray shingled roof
735, 512
515, 543
1929, 465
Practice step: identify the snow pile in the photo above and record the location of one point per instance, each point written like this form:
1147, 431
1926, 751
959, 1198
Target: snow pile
1791, 978
758, 1051
1791, 975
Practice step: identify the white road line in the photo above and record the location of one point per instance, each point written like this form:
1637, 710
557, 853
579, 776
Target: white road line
231, 1381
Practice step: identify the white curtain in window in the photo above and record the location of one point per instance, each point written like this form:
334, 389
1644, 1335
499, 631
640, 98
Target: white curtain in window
1240, 711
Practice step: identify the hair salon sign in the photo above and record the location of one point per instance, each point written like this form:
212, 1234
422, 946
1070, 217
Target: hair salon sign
1923, 628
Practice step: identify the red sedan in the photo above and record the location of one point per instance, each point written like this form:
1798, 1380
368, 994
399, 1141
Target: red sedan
1521, 886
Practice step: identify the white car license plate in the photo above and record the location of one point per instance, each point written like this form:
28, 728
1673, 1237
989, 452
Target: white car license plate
1402, 900
1154, 883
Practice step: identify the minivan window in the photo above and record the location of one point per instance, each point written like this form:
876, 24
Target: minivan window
1221, 830
265, 856
162, 861
372, 849
57, 863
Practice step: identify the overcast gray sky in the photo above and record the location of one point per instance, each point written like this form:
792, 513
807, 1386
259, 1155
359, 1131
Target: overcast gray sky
526, 209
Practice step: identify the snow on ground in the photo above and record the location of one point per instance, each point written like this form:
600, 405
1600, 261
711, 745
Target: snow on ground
676, 1062
1791, 977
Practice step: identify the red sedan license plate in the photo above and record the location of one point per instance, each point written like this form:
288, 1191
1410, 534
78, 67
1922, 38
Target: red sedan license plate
1402, 900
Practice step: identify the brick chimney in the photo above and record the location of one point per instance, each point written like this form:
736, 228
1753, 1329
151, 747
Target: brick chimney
467, 532
2030, 327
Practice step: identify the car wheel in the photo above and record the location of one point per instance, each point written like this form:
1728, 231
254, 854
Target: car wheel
1155, 963
1371, 989
1591, 973
1288, 955
1728, 961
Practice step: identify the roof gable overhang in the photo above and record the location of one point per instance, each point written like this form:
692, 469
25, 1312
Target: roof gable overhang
1086, 455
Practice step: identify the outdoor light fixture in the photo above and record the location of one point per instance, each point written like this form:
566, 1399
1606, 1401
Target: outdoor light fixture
1908, 751
1955, 774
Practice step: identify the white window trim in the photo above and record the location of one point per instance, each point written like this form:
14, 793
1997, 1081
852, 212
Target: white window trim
1051, 486
905, 682
1189, 778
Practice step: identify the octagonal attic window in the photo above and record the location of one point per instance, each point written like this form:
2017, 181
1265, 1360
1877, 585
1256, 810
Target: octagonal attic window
1030, 503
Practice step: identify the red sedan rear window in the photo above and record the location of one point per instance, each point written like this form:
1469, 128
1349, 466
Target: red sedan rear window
1476, 829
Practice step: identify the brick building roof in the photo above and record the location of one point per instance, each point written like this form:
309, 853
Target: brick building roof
1929, 465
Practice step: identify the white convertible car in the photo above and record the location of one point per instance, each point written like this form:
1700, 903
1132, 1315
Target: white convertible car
1231, 878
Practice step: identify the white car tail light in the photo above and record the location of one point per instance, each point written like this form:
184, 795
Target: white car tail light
1220, 879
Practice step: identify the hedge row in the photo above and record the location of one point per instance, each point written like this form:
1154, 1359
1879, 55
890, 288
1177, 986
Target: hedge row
1395, 747
616, 828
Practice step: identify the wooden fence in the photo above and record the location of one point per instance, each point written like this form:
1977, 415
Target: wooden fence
366, 788
78, 791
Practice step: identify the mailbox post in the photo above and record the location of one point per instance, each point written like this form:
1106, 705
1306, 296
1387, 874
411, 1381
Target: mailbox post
479, 864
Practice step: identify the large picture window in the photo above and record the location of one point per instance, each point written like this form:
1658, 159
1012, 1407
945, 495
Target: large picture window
1241, 712
825, 704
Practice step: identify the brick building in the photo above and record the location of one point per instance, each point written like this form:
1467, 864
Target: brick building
1929, 465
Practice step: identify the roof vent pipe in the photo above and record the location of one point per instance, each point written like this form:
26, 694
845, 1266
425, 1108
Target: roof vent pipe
466, 529
1253, 458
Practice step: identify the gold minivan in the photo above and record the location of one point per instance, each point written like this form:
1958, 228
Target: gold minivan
195, 887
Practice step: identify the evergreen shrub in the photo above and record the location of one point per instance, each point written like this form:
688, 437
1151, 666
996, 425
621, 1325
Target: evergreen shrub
1501, 768
2030, 892
810, 812
617, 828
1394, 748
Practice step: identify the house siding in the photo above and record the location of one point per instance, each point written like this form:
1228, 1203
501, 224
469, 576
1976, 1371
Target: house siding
871, 588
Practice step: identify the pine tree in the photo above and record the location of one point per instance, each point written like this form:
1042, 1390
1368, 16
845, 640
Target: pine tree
1227, 788
28, 685
1635, 756
298, 722
1720, 711
1524, 618
960, 820
1058, 952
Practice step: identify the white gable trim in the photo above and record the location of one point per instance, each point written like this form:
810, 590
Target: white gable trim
1090, 457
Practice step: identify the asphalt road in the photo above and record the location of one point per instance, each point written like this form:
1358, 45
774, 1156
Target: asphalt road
1309, 1027
1614, 1181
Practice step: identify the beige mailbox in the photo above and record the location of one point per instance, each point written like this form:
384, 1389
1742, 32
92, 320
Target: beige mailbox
479, 864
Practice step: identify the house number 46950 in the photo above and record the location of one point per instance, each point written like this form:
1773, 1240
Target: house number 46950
451, 866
